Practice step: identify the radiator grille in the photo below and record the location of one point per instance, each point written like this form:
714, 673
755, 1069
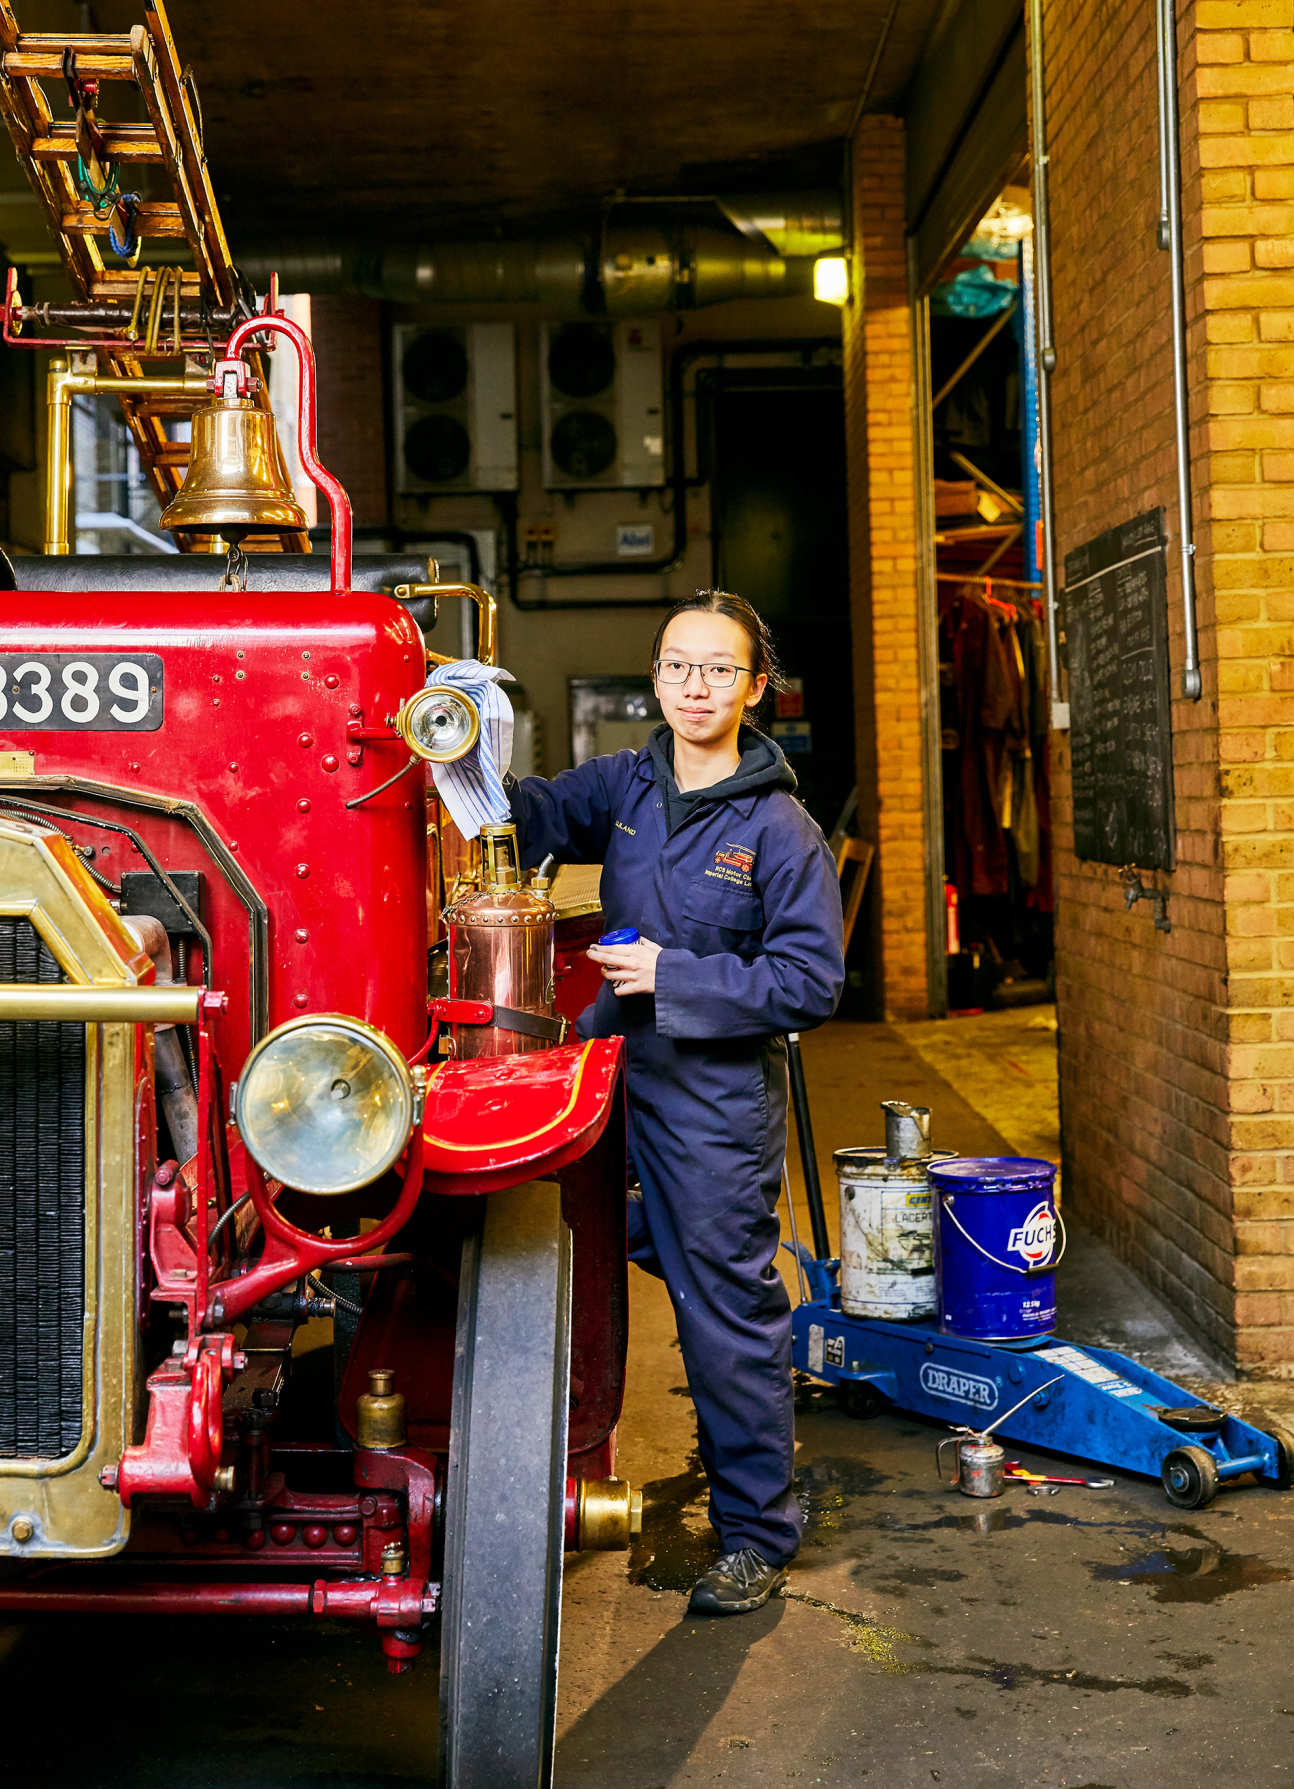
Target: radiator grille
42, 1215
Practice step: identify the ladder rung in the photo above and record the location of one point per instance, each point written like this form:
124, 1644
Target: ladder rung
48, 43
151, 219
121, 143
47, 65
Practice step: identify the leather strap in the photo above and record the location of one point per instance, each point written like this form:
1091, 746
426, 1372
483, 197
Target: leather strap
531, 1024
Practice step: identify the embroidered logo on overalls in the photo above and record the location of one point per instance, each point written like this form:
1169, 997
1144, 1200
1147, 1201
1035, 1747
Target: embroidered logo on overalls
733, 863
631, 830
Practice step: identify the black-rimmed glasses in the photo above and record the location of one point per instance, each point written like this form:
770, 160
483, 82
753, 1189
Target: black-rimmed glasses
714, 677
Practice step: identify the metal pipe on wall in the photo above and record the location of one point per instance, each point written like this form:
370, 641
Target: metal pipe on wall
1170, 238
928, 650
683, 357
1046, 348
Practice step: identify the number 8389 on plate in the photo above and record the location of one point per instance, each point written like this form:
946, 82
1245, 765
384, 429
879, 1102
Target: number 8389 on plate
86, 692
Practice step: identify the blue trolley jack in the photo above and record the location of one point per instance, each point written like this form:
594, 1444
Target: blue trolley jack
1092, 1404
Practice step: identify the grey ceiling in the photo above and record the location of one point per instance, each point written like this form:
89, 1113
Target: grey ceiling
334, 119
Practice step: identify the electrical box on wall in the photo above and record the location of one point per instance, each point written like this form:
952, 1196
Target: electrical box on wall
454, 407
603, 409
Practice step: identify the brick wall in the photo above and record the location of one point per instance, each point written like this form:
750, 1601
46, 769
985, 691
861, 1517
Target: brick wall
883, 565
1177, 1058
347, 337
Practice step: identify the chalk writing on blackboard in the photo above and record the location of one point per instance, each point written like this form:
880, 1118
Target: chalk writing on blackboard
1116, 646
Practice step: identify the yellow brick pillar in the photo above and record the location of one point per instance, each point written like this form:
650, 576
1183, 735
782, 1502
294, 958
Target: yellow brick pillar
881, 450
1177, 1049
1241, 78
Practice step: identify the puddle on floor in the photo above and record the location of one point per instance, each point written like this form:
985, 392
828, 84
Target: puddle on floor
826, 1490
1196, 1574
877, 1643
677, 1543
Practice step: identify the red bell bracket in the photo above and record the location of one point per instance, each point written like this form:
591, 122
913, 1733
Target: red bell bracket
338, 502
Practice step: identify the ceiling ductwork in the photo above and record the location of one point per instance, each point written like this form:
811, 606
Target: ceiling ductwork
629, 268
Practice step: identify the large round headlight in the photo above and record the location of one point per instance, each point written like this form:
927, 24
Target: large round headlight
439, 724
325, 1103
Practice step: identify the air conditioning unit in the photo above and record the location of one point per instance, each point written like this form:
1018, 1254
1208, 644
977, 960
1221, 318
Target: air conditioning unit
603, 408
454, 408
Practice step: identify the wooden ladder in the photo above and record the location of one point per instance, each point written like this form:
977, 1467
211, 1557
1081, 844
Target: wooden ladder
168, 151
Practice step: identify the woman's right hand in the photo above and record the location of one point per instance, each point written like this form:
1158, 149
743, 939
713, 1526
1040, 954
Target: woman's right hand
630, 968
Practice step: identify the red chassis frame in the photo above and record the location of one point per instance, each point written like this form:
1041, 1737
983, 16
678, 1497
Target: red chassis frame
366, 1549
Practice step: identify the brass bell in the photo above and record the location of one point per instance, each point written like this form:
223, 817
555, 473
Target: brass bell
237, 482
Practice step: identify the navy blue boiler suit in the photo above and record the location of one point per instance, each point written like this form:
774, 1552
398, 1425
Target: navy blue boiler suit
743, 898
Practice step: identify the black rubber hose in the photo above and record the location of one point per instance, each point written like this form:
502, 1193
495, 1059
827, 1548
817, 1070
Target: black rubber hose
808, 1159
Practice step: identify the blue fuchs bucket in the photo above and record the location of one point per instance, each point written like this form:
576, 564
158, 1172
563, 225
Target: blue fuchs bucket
996, 1231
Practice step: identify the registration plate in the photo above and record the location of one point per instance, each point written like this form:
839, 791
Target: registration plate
87, 692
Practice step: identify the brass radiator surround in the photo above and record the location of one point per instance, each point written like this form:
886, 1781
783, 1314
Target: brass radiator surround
59, 1504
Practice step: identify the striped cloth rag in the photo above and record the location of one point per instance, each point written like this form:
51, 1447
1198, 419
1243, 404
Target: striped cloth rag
472, 786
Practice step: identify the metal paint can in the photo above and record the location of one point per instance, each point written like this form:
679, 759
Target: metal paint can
886, 1243
980, 1465
998, 1241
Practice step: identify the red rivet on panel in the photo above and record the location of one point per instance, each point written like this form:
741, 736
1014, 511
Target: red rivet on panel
329, 763
305, 740
300, 1000
303, 806
331, 680
301, 934
282, 1533
314, 1534
303, 870
346, 1534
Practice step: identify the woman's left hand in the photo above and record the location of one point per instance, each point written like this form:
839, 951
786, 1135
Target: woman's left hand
630, 968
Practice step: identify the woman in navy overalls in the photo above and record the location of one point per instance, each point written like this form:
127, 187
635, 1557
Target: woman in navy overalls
706, 851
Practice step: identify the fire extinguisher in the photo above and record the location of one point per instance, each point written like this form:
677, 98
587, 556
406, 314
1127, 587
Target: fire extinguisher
952, 931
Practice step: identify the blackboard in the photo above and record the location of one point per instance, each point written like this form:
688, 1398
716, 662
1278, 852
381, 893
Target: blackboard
1115, 608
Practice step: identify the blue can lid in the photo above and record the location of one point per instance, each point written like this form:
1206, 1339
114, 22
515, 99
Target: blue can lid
993, 1174
626, 935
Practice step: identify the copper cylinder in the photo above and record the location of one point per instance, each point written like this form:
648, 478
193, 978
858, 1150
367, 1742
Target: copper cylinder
501, 950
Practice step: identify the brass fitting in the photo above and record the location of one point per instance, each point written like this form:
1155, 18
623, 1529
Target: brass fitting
223, 1480
380, 1422
22, 1529
393, 1559
610, 1513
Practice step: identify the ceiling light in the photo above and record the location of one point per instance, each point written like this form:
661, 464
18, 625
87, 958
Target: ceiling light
831, 279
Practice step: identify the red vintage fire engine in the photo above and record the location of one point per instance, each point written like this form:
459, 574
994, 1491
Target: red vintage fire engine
230, 1108
312, 1265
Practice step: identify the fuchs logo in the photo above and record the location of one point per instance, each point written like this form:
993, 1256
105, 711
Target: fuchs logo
1036, 1236
958, 1388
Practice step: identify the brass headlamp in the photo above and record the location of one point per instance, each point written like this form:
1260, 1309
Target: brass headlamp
439, 724
326, 1103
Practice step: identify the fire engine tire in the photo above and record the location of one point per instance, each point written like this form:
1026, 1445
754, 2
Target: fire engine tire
505, 1498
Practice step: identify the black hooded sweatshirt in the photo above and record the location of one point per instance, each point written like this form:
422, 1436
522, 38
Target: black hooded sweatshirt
761, 766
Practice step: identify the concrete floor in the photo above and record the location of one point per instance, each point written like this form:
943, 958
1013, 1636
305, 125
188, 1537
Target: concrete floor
1089, 1640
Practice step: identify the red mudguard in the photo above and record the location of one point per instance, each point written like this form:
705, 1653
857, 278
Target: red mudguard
493, 1121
